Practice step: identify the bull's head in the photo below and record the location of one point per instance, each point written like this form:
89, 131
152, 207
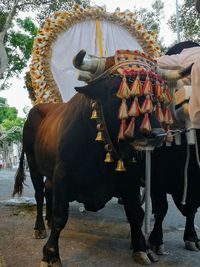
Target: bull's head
129, 116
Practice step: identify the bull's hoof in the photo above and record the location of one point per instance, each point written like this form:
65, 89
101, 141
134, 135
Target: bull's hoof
189, 245
141, 258
40, 234
46, 264
157, 249
152, 256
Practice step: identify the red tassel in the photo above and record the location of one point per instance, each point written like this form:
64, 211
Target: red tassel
134, 109
123, 110
147, 87
168, 97
145, 126
158, 92
122, 130
130, 129
168, 116
159, 113
147, 106
124, 91
136, 87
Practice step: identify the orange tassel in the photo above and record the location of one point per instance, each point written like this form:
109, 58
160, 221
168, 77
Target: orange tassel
145, 126
124, 91
147, 105
159, 113
134, 109
123, 110
158, 92
130, 129
136, 87
168, 97
168, 116
147, 87
122, 130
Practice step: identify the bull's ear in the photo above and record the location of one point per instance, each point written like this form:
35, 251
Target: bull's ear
90, 90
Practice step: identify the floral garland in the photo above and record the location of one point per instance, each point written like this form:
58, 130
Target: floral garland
43, 83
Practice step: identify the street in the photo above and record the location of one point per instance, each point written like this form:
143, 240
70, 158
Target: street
100, 239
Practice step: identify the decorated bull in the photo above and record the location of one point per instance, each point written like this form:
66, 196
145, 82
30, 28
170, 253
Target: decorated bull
176, 171
61, 143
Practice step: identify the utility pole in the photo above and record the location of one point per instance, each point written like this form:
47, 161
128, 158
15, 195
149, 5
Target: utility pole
177, 23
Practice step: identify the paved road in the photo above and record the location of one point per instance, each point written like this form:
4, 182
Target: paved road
99, 239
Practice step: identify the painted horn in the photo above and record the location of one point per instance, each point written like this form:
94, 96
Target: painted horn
88, 63
174, 74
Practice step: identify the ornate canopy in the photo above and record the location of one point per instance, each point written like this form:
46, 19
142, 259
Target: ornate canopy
65, 33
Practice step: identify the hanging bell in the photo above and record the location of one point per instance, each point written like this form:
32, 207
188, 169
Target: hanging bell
94, 115
99, 136
108, 158
120, 166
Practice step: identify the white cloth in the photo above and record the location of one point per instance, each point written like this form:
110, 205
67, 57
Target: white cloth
182, 60
83, 36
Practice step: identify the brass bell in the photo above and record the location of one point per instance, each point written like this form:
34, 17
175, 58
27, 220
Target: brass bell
99, 136
120, 166
94, 115
108, 158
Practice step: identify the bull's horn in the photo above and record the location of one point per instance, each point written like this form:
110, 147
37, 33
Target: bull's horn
84, 76
88, 63
174, 74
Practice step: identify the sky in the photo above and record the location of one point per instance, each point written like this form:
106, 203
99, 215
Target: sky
17, 96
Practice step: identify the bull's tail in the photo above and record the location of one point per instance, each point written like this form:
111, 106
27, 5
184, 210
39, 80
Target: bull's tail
20, 176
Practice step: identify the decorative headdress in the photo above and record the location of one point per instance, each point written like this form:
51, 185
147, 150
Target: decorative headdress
139, 81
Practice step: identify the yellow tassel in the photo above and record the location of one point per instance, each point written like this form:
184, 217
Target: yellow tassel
158, 92
145, 126
168, 97
122, 130
147, 106
134, 109
130, 129
123, 110
120, 166
124, 91
147, 87
136, 87
168, 116
159, 113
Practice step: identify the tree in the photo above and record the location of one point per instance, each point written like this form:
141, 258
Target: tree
189, 22
9, 10
151, 19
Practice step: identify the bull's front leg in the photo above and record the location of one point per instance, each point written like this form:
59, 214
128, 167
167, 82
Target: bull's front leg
160, 207
135, 216
191, 239
59, 219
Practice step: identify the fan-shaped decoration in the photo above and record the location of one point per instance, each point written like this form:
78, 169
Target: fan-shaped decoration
67, 32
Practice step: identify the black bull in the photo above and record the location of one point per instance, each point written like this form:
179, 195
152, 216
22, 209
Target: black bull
168, 177
59, 142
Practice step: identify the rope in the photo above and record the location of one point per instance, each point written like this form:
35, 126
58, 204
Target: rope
183, 202
197, 149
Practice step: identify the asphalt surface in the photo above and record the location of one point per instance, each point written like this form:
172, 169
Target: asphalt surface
100, 239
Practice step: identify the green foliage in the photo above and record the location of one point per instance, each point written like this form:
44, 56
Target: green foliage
10, 123
19, 45
189, 22
3, 17
13, 128
151, 19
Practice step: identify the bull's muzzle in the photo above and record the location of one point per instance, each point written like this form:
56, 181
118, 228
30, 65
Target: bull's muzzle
149, 141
